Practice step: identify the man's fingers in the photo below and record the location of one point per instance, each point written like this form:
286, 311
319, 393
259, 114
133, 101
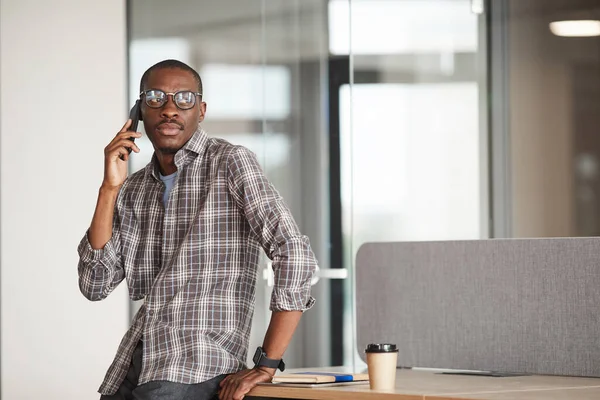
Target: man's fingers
127, 134
239, 391
224, 381
121, 145
127, 143
120, 137
236, 386
243, 388
224, 386
132, 146
127, 125
123, 153
227, 391
247, 384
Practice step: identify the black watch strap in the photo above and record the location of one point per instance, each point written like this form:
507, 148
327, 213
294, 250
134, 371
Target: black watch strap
261, 360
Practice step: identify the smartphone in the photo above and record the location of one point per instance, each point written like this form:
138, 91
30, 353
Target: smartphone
135, 114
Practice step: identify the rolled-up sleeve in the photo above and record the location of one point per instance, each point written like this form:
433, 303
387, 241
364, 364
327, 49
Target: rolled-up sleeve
100, 270
272, 224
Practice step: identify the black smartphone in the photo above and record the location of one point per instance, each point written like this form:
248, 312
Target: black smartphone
135, 114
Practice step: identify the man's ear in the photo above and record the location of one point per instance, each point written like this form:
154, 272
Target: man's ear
202, 112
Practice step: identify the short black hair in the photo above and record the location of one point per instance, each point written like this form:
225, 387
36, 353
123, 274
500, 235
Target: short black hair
166, 64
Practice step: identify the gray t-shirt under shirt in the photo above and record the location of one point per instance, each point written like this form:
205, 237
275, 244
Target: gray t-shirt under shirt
169, 181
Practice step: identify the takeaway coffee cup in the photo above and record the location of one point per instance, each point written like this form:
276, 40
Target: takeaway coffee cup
381, 362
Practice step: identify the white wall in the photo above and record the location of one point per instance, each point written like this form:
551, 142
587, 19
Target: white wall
58, 60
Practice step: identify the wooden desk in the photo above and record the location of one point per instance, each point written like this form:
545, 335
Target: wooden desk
420, 385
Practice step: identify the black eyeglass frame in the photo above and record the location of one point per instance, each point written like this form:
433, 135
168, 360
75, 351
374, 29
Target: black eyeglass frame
144, 93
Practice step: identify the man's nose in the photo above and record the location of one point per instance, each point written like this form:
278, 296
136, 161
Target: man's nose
169, 110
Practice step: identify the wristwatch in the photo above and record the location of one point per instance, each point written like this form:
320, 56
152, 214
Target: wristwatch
260, 360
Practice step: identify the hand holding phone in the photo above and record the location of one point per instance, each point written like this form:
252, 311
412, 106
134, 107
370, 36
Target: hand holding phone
116, 156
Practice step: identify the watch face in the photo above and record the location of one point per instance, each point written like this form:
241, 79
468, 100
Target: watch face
257, 355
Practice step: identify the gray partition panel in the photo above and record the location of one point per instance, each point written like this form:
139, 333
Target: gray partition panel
510, 305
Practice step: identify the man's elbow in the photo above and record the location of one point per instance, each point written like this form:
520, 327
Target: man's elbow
91, 294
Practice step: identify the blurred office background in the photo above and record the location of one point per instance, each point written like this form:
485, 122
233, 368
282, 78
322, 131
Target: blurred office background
378, 120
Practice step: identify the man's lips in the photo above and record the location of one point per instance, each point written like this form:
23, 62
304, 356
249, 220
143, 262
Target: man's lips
169, 128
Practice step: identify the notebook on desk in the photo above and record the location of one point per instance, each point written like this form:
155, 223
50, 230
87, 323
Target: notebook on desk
315, 385
320, 379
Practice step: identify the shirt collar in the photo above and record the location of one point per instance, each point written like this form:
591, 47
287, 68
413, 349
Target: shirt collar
192, 149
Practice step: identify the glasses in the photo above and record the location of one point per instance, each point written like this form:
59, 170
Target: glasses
184, 99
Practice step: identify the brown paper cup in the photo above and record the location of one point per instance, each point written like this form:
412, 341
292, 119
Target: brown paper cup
381, 362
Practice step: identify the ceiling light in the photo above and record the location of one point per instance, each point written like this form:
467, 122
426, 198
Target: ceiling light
581, 28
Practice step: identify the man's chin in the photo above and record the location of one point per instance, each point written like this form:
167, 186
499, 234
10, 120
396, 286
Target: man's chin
168, 144
168, 150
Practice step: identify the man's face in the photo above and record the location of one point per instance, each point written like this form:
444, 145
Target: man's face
169, 127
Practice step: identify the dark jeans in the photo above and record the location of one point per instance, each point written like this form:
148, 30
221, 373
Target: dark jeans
129, 389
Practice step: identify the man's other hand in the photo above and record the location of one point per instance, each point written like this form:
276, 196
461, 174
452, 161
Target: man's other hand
235, 386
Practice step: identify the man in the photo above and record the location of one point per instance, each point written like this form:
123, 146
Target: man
186, 232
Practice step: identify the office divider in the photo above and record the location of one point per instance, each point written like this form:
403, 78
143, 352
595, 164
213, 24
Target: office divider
509, 305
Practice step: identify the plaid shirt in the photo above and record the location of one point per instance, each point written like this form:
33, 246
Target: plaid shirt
195, 262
